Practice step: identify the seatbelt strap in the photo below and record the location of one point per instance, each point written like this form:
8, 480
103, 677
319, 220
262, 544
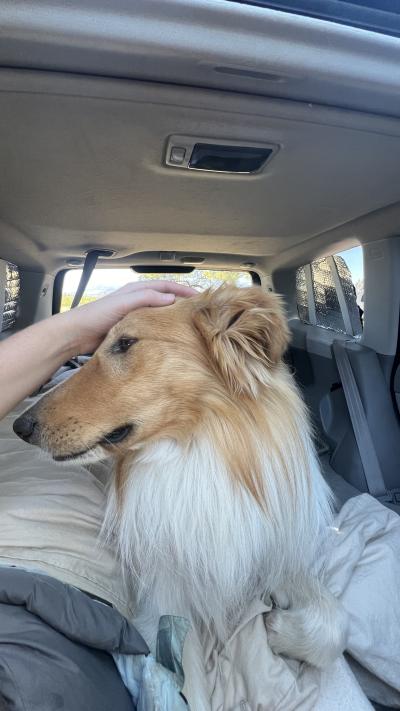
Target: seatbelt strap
87, 270
362, 433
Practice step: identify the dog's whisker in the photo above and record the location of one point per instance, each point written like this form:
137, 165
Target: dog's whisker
114, 445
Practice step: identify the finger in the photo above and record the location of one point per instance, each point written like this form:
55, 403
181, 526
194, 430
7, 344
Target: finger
147, 297
171, 287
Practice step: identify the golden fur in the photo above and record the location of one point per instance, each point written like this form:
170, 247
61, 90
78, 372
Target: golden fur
196, 358
217, 495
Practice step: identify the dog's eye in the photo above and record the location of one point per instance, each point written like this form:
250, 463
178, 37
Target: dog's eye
123, 344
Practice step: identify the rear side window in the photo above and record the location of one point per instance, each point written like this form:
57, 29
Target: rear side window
12, 292
330, 292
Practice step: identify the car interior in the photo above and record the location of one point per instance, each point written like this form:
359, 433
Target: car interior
222, 137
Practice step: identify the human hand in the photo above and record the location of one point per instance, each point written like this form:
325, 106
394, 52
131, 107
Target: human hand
89, 324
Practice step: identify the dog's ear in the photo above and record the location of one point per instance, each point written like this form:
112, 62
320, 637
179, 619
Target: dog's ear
246, 334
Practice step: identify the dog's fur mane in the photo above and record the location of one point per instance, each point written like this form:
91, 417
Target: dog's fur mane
207, 524
196, 539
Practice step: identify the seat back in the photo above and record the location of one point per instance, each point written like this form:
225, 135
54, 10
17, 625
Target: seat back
382, 421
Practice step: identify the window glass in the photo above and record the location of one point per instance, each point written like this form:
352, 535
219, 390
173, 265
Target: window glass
334, 296
11, 297
355, 264
349, 293
327, 308
103, 281
302, 296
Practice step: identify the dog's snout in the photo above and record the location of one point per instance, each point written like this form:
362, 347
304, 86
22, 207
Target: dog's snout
25, 426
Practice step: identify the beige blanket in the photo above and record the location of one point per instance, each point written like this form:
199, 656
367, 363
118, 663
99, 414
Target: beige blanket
363, 570
50, 519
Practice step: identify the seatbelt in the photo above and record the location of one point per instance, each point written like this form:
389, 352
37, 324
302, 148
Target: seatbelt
372, 469
395, 366
87, 270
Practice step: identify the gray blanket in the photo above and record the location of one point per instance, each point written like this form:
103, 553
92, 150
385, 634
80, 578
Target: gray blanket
56, 644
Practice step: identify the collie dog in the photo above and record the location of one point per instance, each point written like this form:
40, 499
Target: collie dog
217, 497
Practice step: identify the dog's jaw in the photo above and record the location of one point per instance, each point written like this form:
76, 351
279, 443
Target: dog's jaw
90, 456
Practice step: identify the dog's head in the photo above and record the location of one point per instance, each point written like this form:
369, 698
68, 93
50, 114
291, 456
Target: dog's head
157, 372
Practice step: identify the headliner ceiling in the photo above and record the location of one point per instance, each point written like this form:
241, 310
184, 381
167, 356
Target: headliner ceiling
82, 167
209, 43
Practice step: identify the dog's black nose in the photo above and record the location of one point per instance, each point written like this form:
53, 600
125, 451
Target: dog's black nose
24, 427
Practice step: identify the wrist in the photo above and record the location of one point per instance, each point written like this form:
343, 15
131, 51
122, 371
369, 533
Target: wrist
67, 335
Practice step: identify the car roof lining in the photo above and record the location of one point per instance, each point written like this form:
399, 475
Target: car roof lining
206, 43
84, 164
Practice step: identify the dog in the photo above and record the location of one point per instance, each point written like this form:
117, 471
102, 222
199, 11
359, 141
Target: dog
217, 497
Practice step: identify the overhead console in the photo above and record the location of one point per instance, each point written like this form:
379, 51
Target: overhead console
217, 156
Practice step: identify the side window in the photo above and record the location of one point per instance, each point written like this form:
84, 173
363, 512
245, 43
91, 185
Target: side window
330, 292
11, 296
